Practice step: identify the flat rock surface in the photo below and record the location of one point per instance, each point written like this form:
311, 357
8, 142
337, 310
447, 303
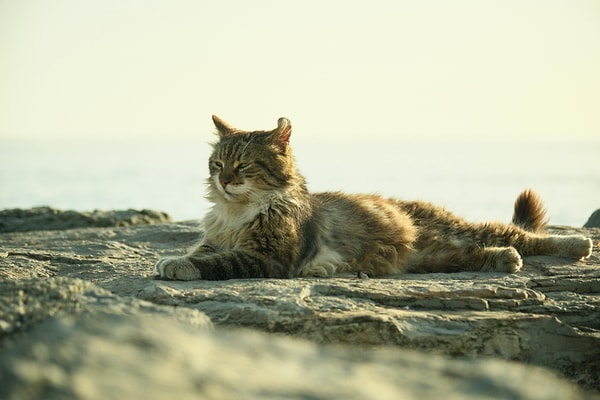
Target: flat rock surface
547, 315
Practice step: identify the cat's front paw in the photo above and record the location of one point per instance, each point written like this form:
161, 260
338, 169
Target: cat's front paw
177, 268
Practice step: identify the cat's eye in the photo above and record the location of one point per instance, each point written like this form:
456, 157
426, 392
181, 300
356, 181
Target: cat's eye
218, 164
242, 166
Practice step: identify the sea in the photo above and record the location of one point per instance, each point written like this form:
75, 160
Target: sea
477, 179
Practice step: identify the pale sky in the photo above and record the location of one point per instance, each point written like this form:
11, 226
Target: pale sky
374, 69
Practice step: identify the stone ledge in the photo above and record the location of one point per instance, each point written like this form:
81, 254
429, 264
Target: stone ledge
547, 314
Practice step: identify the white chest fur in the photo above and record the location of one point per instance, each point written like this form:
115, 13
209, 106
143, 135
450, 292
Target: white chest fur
226, 225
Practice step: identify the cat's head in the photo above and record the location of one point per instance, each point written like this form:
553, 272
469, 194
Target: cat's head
246, 165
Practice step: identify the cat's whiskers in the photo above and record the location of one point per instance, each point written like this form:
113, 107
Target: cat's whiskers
243, 192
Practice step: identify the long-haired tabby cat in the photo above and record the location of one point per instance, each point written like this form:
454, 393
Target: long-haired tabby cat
265, 224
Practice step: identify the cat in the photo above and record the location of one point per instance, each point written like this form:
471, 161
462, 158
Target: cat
265, 224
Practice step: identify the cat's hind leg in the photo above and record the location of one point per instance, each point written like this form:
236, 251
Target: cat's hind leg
500, 259
455, 256
508, 259
577, 246
568, 246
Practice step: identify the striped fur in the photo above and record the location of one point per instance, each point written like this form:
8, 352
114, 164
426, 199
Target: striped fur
265, 224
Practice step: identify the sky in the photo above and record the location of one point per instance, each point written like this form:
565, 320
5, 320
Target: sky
336, 68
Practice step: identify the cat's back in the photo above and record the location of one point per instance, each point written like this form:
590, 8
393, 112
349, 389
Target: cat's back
424, 213
362, 216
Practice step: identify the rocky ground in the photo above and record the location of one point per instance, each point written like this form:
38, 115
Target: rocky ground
82, 317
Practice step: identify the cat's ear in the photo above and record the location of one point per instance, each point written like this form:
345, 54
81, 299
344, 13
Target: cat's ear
223, 128
281, 134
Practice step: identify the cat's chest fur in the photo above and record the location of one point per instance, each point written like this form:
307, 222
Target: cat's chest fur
227, 225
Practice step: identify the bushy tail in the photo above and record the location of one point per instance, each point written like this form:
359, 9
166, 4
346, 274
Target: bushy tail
530, 213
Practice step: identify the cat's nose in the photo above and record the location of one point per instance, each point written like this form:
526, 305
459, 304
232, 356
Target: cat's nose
225, 178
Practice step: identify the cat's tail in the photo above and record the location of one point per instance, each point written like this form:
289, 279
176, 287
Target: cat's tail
530, 213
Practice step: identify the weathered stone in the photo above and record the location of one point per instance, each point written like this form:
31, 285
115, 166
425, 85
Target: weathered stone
116, 357
23, 303
548, 314
594, 220
46, 218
